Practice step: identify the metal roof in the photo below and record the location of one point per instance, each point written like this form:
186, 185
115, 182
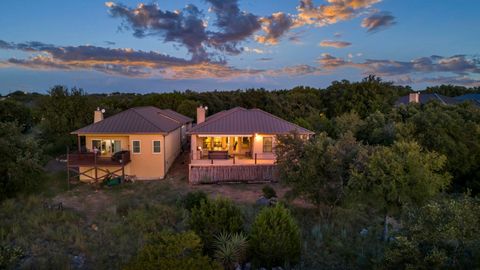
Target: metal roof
137, 120
242, 121
425, 98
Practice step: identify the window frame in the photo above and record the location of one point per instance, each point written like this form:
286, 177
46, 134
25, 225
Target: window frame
271, 144
139, 147
159, 146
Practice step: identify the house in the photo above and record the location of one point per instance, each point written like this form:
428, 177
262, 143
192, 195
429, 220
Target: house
473, 98
425, 98
236, 145
141, 142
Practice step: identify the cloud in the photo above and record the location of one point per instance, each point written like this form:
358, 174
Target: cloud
335, 11
133, 63
462, 67
235, 25
265, 59
274, 27
378, 21
184, 26
334, 44
255, 50
111, 43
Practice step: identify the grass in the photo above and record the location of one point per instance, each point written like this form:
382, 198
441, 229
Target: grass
104, 228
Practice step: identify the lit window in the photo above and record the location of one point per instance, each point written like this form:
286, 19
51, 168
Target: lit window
267, 144
136, 147
156, 146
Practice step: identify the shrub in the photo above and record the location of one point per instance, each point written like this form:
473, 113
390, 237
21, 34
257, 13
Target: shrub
268, 192
172, 251
9, 256
193, 199
212, 217
230, 249
275, 238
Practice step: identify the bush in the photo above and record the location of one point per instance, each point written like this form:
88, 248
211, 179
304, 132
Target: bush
275, 238
230, 249
193, 199
172, 251
268, 192
9, 256
213, 217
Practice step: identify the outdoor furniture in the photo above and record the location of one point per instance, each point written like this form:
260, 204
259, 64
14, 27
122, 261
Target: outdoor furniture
217, 154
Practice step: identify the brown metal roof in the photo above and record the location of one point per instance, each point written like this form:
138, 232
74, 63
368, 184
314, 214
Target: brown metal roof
242, 121
176, 116
137, 120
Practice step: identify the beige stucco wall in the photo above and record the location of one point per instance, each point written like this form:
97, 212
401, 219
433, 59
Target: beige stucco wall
172, 147
145, 165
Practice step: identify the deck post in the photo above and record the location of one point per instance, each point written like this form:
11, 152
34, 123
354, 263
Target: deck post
78, 144
211, 161
255, 158
68, 170
95, 163
233, 159
123, 167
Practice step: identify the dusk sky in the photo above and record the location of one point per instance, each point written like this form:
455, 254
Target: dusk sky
135, 46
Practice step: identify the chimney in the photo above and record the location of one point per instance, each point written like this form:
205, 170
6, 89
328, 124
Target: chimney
98, 115
414, 98
201, 114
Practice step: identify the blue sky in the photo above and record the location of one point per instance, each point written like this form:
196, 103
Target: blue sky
135, 46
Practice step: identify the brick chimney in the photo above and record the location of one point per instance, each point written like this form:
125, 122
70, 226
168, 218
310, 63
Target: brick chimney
201, 114
414, 98
98, 115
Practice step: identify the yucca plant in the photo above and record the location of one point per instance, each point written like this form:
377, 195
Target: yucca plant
230, 249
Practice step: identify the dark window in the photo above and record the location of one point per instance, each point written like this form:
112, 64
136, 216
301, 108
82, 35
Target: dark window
136, 147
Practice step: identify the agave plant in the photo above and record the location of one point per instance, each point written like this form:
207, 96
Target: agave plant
230, 249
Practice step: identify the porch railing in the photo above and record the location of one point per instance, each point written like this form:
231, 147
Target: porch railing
95, 159
256, 158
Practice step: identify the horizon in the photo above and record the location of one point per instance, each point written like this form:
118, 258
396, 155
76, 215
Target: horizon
144, 47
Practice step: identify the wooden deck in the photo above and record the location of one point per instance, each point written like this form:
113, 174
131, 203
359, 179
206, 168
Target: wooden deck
90, 159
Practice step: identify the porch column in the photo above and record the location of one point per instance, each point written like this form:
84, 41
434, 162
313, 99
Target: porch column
193, 144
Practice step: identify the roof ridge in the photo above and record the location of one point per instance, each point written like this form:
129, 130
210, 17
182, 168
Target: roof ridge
227, 112
166, 116
279, 118
144, 118
440, 98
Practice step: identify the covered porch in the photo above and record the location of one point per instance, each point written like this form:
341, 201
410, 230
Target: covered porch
230, 149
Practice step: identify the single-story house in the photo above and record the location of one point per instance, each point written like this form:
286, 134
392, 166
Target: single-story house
141, 142
236, 145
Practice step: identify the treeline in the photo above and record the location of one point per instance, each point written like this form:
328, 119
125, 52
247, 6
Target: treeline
366, 106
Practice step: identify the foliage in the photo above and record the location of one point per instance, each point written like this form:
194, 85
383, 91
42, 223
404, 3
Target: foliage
193, 199
443, 234
9, 256
13, 111
268, 192
170, 251
213, 217
20, 169
63, 111
230, 249
319, 170
275, 238
400, 175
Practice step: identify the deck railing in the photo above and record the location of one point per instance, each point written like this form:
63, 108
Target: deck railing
233, 159
95, 159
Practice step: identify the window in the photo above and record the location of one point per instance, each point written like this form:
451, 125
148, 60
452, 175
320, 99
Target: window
156, 147
96, 144
136, 147
267, 144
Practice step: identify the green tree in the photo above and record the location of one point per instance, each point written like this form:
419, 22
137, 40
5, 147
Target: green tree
396, 176
20, 167
213, 217
230, 249
319, 170
12, 111
275, 238
170, 251
444, 234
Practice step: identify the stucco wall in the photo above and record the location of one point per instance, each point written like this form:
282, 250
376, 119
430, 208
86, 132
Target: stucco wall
147, 165
172, 147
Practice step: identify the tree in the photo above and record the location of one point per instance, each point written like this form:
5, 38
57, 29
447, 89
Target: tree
213, 217
20, 168
12, 111
444, 234
170, 251
230, 249
400, 175
275, 238
319, 170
